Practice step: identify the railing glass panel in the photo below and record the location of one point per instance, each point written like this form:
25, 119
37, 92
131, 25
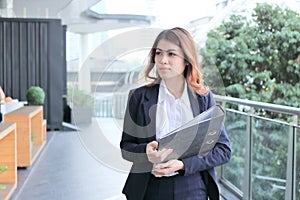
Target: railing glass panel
236, 125
103, 107
269, 158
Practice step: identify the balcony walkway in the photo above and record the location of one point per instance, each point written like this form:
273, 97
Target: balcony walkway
66, 170
70, 168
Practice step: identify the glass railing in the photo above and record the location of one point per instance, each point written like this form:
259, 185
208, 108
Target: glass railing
236, 126
269, 158
111, 106
103, 107
265, 161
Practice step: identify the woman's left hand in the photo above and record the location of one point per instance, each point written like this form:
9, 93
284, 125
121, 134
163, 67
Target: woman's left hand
169, 167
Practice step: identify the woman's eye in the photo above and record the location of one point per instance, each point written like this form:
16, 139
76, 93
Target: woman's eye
172, 54
157, 53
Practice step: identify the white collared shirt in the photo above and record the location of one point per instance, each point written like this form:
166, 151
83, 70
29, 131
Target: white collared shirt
171, 113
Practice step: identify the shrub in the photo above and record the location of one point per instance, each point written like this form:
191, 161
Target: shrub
35, 95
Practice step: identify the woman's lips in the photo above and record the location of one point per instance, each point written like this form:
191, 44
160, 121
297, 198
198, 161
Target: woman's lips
164, 69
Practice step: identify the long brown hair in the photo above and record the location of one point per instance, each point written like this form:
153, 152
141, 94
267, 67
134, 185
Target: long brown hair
184, 40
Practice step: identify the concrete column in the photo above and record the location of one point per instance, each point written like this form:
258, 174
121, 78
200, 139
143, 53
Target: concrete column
6, 8
84, 75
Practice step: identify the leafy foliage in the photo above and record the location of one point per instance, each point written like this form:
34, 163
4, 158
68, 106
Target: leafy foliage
35, 95
257, 58
80, 99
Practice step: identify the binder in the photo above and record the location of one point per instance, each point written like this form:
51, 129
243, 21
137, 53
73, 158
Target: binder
196, 137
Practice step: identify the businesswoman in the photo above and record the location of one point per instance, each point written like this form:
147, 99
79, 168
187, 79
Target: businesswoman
175, 95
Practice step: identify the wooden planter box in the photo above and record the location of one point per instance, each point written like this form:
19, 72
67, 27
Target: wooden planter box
9, 107
8, 157
30, 133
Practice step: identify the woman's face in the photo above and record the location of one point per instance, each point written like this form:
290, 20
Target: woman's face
169, 60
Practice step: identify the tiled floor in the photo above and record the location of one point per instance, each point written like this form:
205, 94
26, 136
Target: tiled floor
68, 168
78, 165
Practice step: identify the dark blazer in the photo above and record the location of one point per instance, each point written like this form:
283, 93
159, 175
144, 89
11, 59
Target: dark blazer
139, 129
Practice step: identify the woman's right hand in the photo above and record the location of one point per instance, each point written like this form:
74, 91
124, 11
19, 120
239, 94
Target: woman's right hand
155, 156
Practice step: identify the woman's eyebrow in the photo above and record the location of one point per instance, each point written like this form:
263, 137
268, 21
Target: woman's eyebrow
166, 50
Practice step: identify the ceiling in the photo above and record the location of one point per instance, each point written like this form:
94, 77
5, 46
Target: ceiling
76, 15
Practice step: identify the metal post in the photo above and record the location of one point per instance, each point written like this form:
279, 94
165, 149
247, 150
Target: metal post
247, 185
290, 192
220, 170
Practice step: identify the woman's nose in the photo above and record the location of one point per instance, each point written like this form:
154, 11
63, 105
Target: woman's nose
164, 59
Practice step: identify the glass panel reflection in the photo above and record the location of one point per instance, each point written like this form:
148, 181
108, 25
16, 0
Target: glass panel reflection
269, 159
236, 123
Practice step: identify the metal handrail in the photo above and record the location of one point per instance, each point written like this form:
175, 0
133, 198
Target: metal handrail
262, 105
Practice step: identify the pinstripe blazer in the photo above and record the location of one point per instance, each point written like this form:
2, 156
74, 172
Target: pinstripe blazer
139, 129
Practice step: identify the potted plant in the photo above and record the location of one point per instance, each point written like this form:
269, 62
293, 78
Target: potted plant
82, 105
35, 95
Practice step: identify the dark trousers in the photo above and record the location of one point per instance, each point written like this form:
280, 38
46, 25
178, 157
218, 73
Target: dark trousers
160, 188
164, 188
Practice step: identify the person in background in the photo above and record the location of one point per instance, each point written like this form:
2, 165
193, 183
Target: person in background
2, 99
175, 95
2, 95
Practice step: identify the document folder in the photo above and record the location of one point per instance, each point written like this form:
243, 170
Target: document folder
196, 137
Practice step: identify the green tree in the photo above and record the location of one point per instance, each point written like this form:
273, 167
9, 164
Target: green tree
256, 57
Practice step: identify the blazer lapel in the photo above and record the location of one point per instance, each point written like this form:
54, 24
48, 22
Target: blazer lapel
194, 102
149, 109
